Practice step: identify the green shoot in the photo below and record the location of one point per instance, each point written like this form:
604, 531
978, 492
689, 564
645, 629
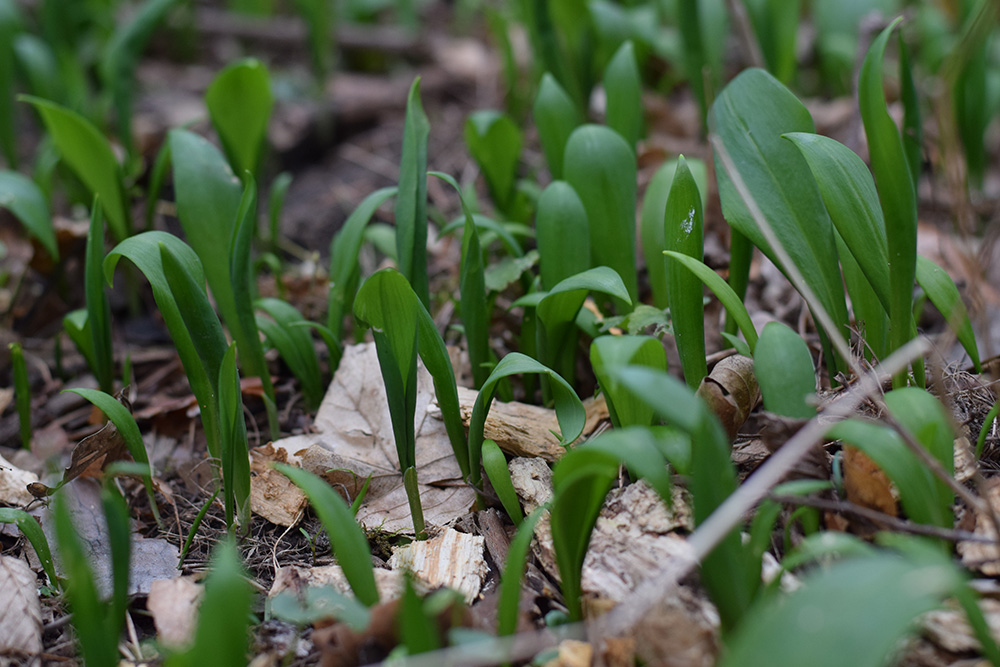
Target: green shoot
29, 527
284, 331
98, 309
494, 141
22, 197
611, 352
235, 447
510, 582
563, 234
239, 102
556, 116
411, 201
495, 465
623, 87
22, 392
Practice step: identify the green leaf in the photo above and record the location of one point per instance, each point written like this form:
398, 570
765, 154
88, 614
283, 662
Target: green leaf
222, 637
563, 234
601, 167
580, 482
495, 464
510, 582
294, 344
941, 290
869, 599
610, 352
320, 19
88, 154
346, 537
556, 116
784, 369
411, 200
509, 270
684, 233
235, 446
623, 87
651, 221
122, 53
239, 102
98, 309
344, 251
20, 196
318, 603
749, 117
639, 449
29, 527
897, 195
11, 23
732, 303
849, 194
143, 250
96, 630
241, 278
569, 409
123, 420
494, 141
776, 24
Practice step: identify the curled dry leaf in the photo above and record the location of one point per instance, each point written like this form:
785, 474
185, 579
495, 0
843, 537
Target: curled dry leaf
14, 484
21, 612
866, 484
731, 392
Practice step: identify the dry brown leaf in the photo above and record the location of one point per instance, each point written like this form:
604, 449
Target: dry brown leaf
272, 495
354, 436
452, 559
14, 483
573, 653
866, 484
731, 392
174, 606
949, 628
21, 612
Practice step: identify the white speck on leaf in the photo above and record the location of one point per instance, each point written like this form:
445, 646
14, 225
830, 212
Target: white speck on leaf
688, 224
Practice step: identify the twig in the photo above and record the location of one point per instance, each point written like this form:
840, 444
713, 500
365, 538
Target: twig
844, 507
730, 513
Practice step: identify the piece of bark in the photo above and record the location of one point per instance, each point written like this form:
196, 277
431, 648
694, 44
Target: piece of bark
520, 429
984, 557
272, 495
452, 560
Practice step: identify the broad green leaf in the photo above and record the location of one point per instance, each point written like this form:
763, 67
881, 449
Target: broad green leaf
25, 200
251, 352
96, 631
510, 582
495, 464
749, 117
563, 234
651, 229
122, 53
608, 352
723, 292
730, 573
11, 24
472, 287
896, 191
239, 101
849, 194
684, 233
344, 251
98, 309
941, 290
123, 420
30, 528
556, 116
38, 65
784, 369
494, 141
924, 497
623, 87
235, 446
871, 600
601, 167
223, 636
197, 313
143, 250
346, 537
776, 23
639, 449
580, 482
569, 409
294, 344
411, 200
88, 154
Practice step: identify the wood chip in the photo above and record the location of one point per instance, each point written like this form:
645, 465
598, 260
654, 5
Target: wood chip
21, 612
982, 556
452, 559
